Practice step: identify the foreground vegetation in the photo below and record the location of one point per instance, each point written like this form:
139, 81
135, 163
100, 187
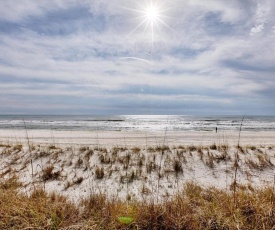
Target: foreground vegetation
193, 208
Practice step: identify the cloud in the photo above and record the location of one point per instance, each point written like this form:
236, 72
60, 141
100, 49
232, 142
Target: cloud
87, 56
260, 18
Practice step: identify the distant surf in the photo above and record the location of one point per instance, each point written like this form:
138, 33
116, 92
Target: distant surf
137, 122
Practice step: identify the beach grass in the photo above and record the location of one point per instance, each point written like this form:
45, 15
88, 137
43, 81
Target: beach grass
192, 208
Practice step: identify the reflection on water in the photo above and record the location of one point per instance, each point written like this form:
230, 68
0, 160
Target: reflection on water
137, 122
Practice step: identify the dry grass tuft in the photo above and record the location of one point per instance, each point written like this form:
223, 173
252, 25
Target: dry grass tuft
79, 162
213, 147
36, 211
10, 184
177, 167
210, 160
82, 149
48, 173
99, 173
192, 148
223, 147
136, 150
252, 147
151, 149
5, 145
51, 147
264, 161
162, 148
241, 149
18, 147
194, 208
78, 180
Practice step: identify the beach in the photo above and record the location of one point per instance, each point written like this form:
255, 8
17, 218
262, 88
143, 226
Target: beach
136, 164
137, 138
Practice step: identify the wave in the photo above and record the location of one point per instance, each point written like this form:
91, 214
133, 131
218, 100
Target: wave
132, 123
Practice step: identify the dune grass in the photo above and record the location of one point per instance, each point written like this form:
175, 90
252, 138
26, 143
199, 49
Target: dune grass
192, 208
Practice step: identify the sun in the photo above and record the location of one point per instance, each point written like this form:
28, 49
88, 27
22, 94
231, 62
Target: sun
151, 17
152, 13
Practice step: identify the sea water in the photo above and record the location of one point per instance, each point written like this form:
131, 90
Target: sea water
137, 122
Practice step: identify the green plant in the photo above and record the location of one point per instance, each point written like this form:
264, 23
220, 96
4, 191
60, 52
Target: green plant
125, 219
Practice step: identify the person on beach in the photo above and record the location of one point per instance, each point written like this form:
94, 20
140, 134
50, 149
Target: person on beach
216, 129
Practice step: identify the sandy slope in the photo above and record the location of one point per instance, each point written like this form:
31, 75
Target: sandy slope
79, 163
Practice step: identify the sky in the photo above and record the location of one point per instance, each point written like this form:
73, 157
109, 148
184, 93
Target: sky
193, 57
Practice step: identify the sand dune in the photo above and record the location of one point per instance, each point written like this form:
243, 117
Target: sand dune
135, 165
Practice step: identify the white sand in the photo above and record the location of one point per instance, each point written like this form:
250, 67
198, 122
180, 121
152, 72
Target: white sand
136, 138
211, 167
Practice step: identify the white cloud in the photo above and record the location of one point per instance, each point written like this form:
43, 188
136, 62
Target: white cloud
17, 10
260, 18
209, 53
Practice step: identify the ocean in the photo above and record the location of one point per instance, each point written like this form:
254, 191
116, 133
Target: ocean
137, 122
